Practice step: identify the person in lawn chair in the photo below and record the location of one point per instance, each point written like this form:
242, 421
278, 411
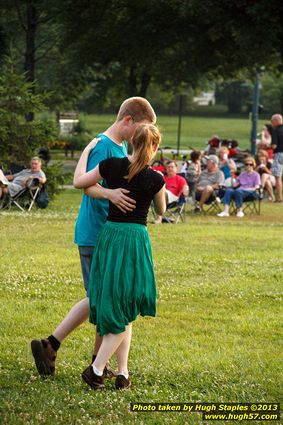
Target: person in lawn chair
175, 186
13, 183
209, 181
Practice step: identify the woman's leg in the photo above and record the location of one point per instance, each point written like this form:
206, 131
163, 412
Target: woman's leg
269, 190
267, 185
228, 195
238, 193
122, 352
110, 343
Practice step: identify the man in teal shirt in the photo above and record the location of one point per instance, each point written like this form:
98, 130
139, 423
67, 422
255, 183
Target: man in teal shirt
88, 224
92, 215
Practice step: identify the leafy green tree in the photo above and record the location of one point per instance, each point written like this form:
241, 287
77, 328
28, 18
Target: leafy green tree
235, 94
33, 27
19, 138
271, 93
170, 42
121, 47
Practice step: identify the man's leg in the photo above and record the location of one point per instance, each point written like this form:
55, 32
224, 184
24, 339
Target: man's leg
4, 184
45, 351
158, 219
278, 186
205, 195
277, 169
76, 316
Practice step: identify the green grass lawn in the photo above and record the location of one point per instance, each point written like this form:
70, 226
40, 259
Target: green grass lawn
195, 131
216, 337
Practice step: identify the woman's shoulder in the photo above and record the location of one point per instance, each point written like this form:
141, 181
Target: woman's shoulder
117, 161
155, 174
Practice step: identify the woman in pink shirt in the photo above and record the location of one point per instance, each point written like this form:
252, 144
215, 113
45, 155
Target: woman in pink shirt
246, 186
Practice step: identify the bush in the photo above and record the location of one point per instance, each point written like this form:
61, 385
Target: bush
55, 178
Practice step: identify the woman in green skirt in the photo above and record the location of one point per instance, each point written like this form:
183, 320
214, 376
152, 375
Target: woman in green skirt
122, 283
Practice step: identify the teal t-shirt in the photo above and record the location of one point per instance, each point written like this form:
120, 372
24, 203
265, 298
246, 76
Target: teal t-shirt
93, 212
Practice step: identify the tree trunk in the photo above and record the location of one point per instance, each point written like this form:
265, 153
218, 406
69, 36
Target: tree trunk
281, 99
31, 25
132, 81
145, 81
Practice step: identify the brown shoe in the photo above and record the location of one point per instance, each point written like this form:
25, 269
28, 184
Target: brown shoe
122, 383
93, 380
109, 372
44, 356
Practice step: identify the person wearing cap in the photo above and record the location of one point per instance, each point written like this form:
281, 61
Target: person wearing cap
209, 181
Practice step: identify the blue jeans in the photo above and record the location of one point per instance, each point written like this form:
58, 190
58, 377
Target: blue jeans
86, 253
239, 195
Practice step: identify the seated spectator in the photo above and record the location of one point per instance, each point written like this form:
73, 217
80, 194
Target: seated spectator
209, 180
175, 186
265, 140
264, 170
212, 145
245, 186
226, 165
184, 167
193, 171
234, 151
14, 183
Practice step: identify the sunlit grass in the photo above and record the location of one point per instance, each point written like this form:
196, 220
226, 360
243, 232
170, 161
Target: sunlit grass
216, 337
195, 131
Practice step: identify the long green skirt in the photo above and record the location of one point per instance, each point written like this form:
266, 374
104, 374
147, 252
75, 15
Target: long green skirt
122, 283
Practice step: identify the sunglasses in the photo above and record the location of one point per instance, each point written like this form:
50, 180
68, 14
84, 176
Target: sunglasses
249, 164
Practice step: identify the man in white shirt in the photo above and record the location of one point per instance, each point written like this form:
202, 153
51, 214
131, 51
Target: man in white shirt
14, 183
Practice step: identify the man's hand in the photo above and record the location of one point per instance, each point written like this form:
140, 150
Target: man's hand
27, 179
119, 198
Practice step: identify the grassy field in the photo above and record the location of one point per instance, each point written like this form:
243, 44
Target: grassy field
195, 131
216, 337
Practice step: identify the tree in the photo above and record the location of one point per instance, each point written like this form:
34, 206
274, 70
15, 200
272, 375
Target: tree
124, 46
31, 26
169, 42
271, 94
20, 139
235, 94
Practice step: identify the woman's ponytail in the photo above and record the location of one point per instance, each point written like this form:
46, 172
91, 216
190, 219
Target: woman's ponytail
145, 143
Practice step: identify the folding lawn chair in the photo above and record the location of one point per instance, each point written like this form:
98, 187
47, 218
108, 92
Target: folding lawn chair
251, 205
175, 212
211, 206
25, 199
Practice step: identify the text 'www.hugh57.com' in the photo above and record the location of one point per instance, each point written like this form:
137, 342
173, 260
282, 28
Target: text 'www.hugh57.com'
217, 411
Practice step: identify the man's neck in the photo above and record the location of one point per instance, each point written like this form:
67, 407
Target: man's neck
113, 133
